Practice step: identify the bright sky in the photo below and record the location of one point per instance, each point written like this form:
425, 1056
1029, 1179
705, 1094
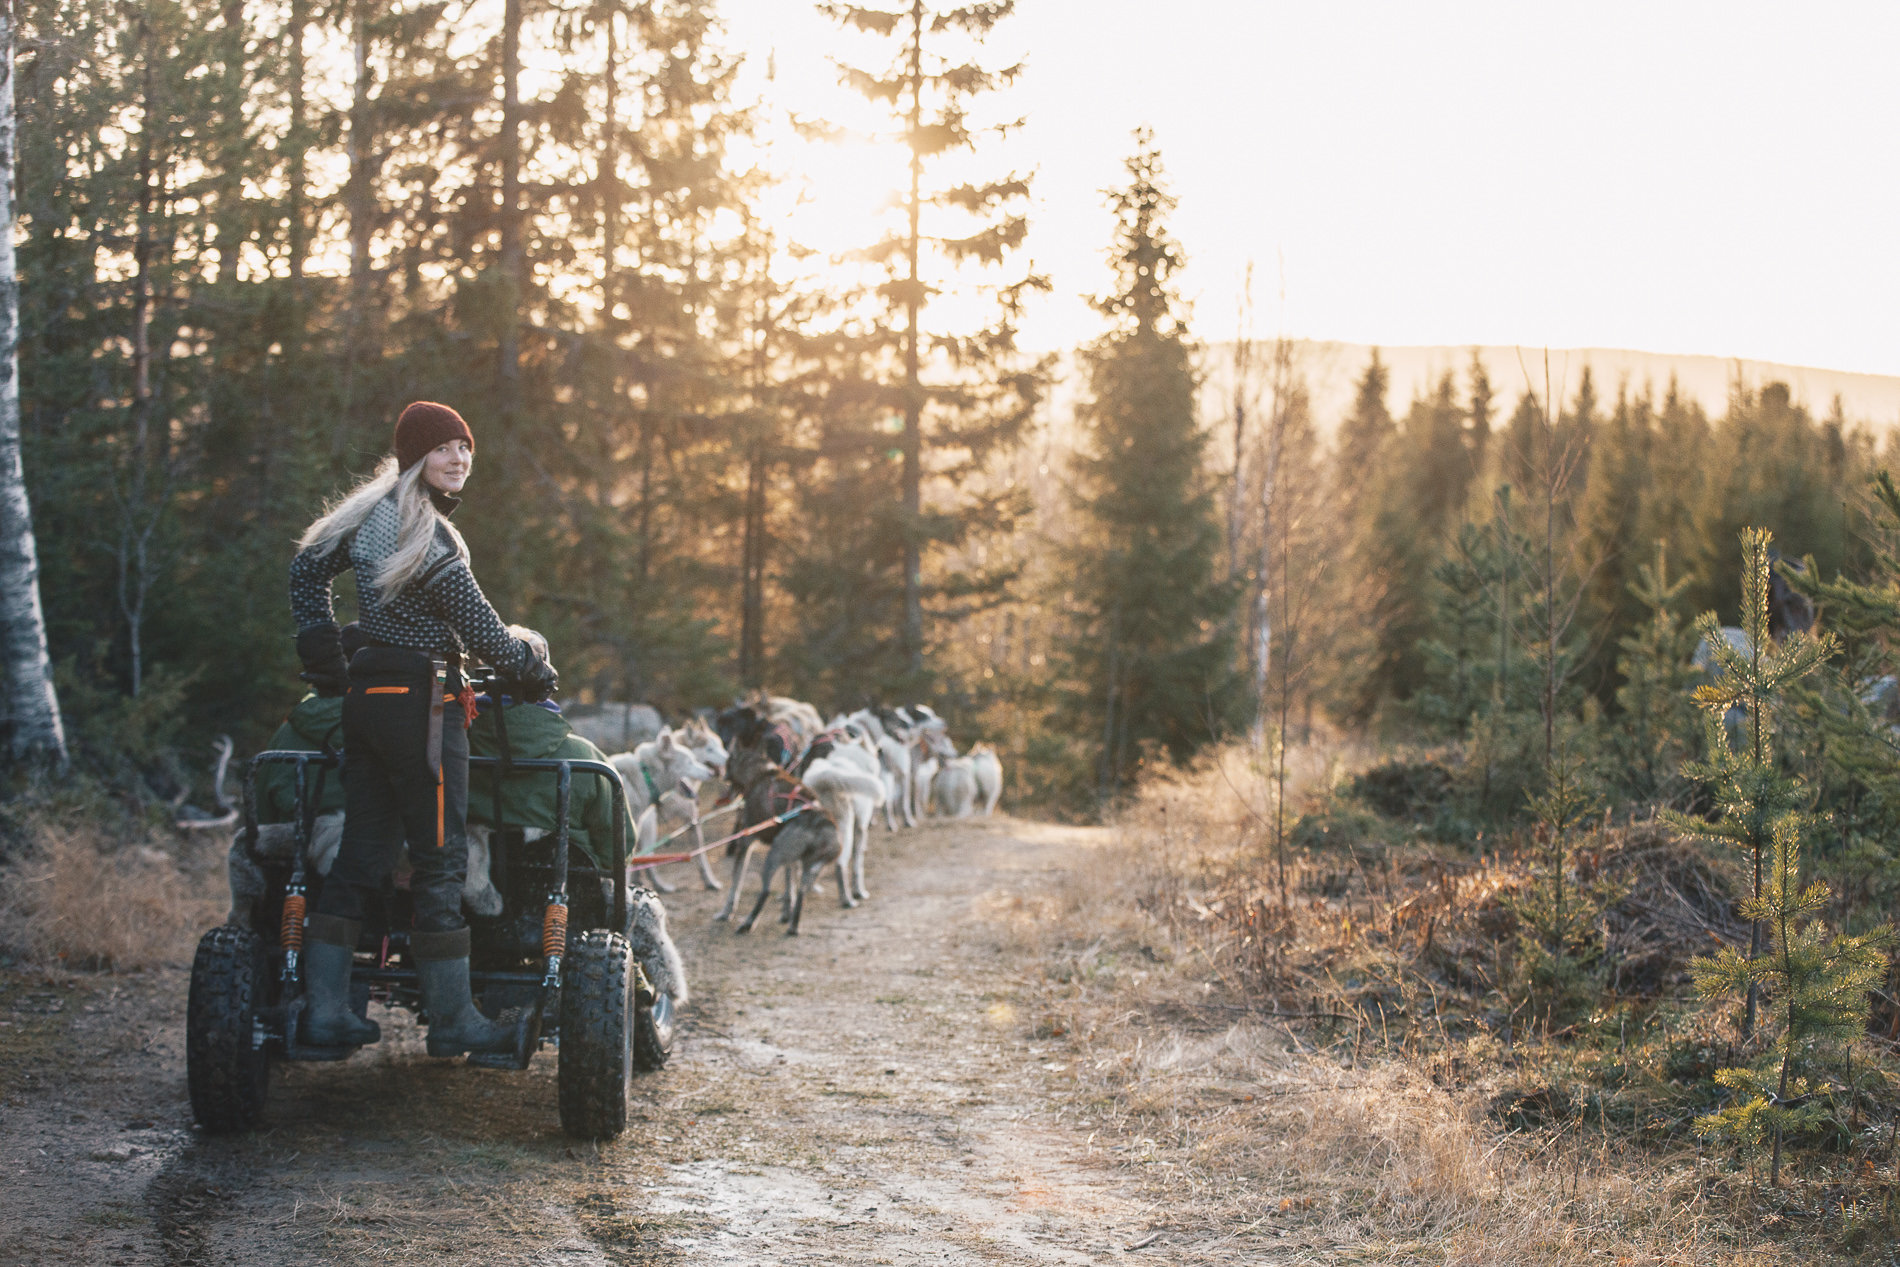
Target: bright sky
1715, 178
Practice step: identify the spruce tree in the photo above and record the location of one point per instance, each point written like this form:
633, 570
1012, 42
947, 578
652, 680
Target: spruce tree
1437, 459
961, 394
1608, 519
1847, 717
1817, 989
1390, 557
1364, 431
1769, 463
1560, 946
1478, 432
1152, 655
1754, 797
1654, 731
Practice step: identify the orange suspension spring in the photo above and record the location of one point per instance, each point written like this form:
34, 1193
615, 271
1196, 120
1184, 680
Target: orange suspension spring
554, 931
290, 935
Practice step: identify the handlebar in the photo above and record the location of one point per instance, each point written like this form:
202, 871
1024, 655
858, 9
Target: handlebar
495, 684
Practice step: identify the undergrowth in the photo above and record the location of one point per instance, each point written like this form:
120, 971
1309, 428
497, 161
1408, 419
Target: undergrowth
1360, 1065
88, 886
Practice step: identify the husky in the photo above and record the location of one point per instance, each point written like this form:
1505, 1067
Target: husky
679, 806
893, 751
653, 947
954, 789
849, 783
804, 720
929, 751
803, 844
656, 770
698, 738
989, 775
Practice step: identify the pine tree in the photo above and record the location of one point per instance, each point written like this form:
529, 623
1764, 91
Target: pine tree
1817, 988
1608, 518
1847, 718
1561, 946
1769, 464
962, 395
1364, 432
1754, 798
1478, 432
1153, 649
1654, 730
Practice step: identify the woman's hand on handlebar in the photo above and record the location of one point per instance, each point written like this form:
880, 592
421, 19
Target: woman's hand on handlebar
538, 680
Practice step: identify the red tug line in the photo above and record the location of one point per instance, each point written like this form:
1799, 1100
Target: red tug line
660, 859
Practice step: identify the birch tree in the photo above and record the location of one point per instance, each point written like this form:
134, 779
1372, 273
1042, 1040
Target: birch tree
32, 706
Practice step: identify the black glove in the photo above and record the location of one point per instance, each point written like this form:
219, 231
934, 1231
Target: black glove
320, 647
537, 678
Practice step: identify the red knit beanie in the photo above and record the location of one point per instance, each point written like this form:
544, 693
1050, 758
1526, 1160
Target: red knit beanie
424, 425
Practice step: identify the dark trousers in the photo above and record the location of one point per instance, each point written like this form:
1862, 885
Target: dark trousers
391, 791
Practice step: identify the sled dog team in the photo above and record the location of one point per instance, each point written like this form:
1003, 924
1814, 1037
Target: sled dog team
780, 758
831, 778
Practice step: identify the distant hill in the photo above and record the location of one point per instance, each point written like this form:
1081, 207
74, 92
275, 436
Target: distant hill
1331, 369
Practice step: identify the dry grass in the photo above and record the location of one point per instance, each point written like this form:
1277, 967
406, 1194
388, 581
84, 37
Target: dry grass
78, 897
1355, 1139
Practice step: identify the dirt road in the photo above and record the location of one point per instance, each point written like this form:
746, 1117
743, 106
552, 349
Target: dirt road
869, 1092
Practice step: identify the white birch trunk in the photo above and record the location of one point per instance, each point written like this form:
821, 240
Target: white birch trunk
32, 708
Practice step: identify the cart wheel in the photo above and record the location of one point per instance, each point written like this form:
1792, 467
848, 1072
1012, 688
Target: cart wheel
653, 1030
226, 1066
597, 1025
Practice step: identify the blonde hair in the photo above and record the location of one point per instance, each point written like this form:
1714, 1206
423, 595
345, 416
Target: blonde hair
416, 520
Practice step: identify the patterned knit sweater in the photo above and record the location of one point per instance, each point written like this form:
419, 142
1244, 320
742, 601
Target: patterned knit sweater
443, 610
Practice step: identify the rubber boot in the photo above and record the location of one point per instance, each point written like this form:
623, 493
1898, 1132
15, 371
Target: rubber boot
456, 1026
329, 946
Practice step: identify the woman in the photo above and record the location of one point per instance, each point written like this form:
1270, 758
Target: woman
406, 757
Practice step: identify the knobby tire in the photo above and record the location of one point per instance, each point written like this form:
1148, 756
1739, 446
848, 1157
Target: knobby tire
597, 1023
226, 1071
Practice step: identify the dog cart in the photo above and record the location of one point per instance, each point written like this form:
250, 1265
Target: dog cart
556, 957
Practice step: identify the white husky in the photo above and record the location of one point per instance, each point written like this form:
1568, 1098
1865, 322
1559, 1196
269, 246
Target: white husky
954, 790
655, 771
989, 775
893, 750
680, 807
929, 751
849, 783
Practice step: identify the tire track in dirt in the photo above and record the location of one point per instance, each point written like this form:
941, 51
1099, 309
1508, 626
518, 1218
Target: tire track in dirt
864, 1093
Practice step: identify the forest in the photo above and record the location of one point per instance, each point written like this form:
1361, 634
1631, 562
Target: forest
248, 235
